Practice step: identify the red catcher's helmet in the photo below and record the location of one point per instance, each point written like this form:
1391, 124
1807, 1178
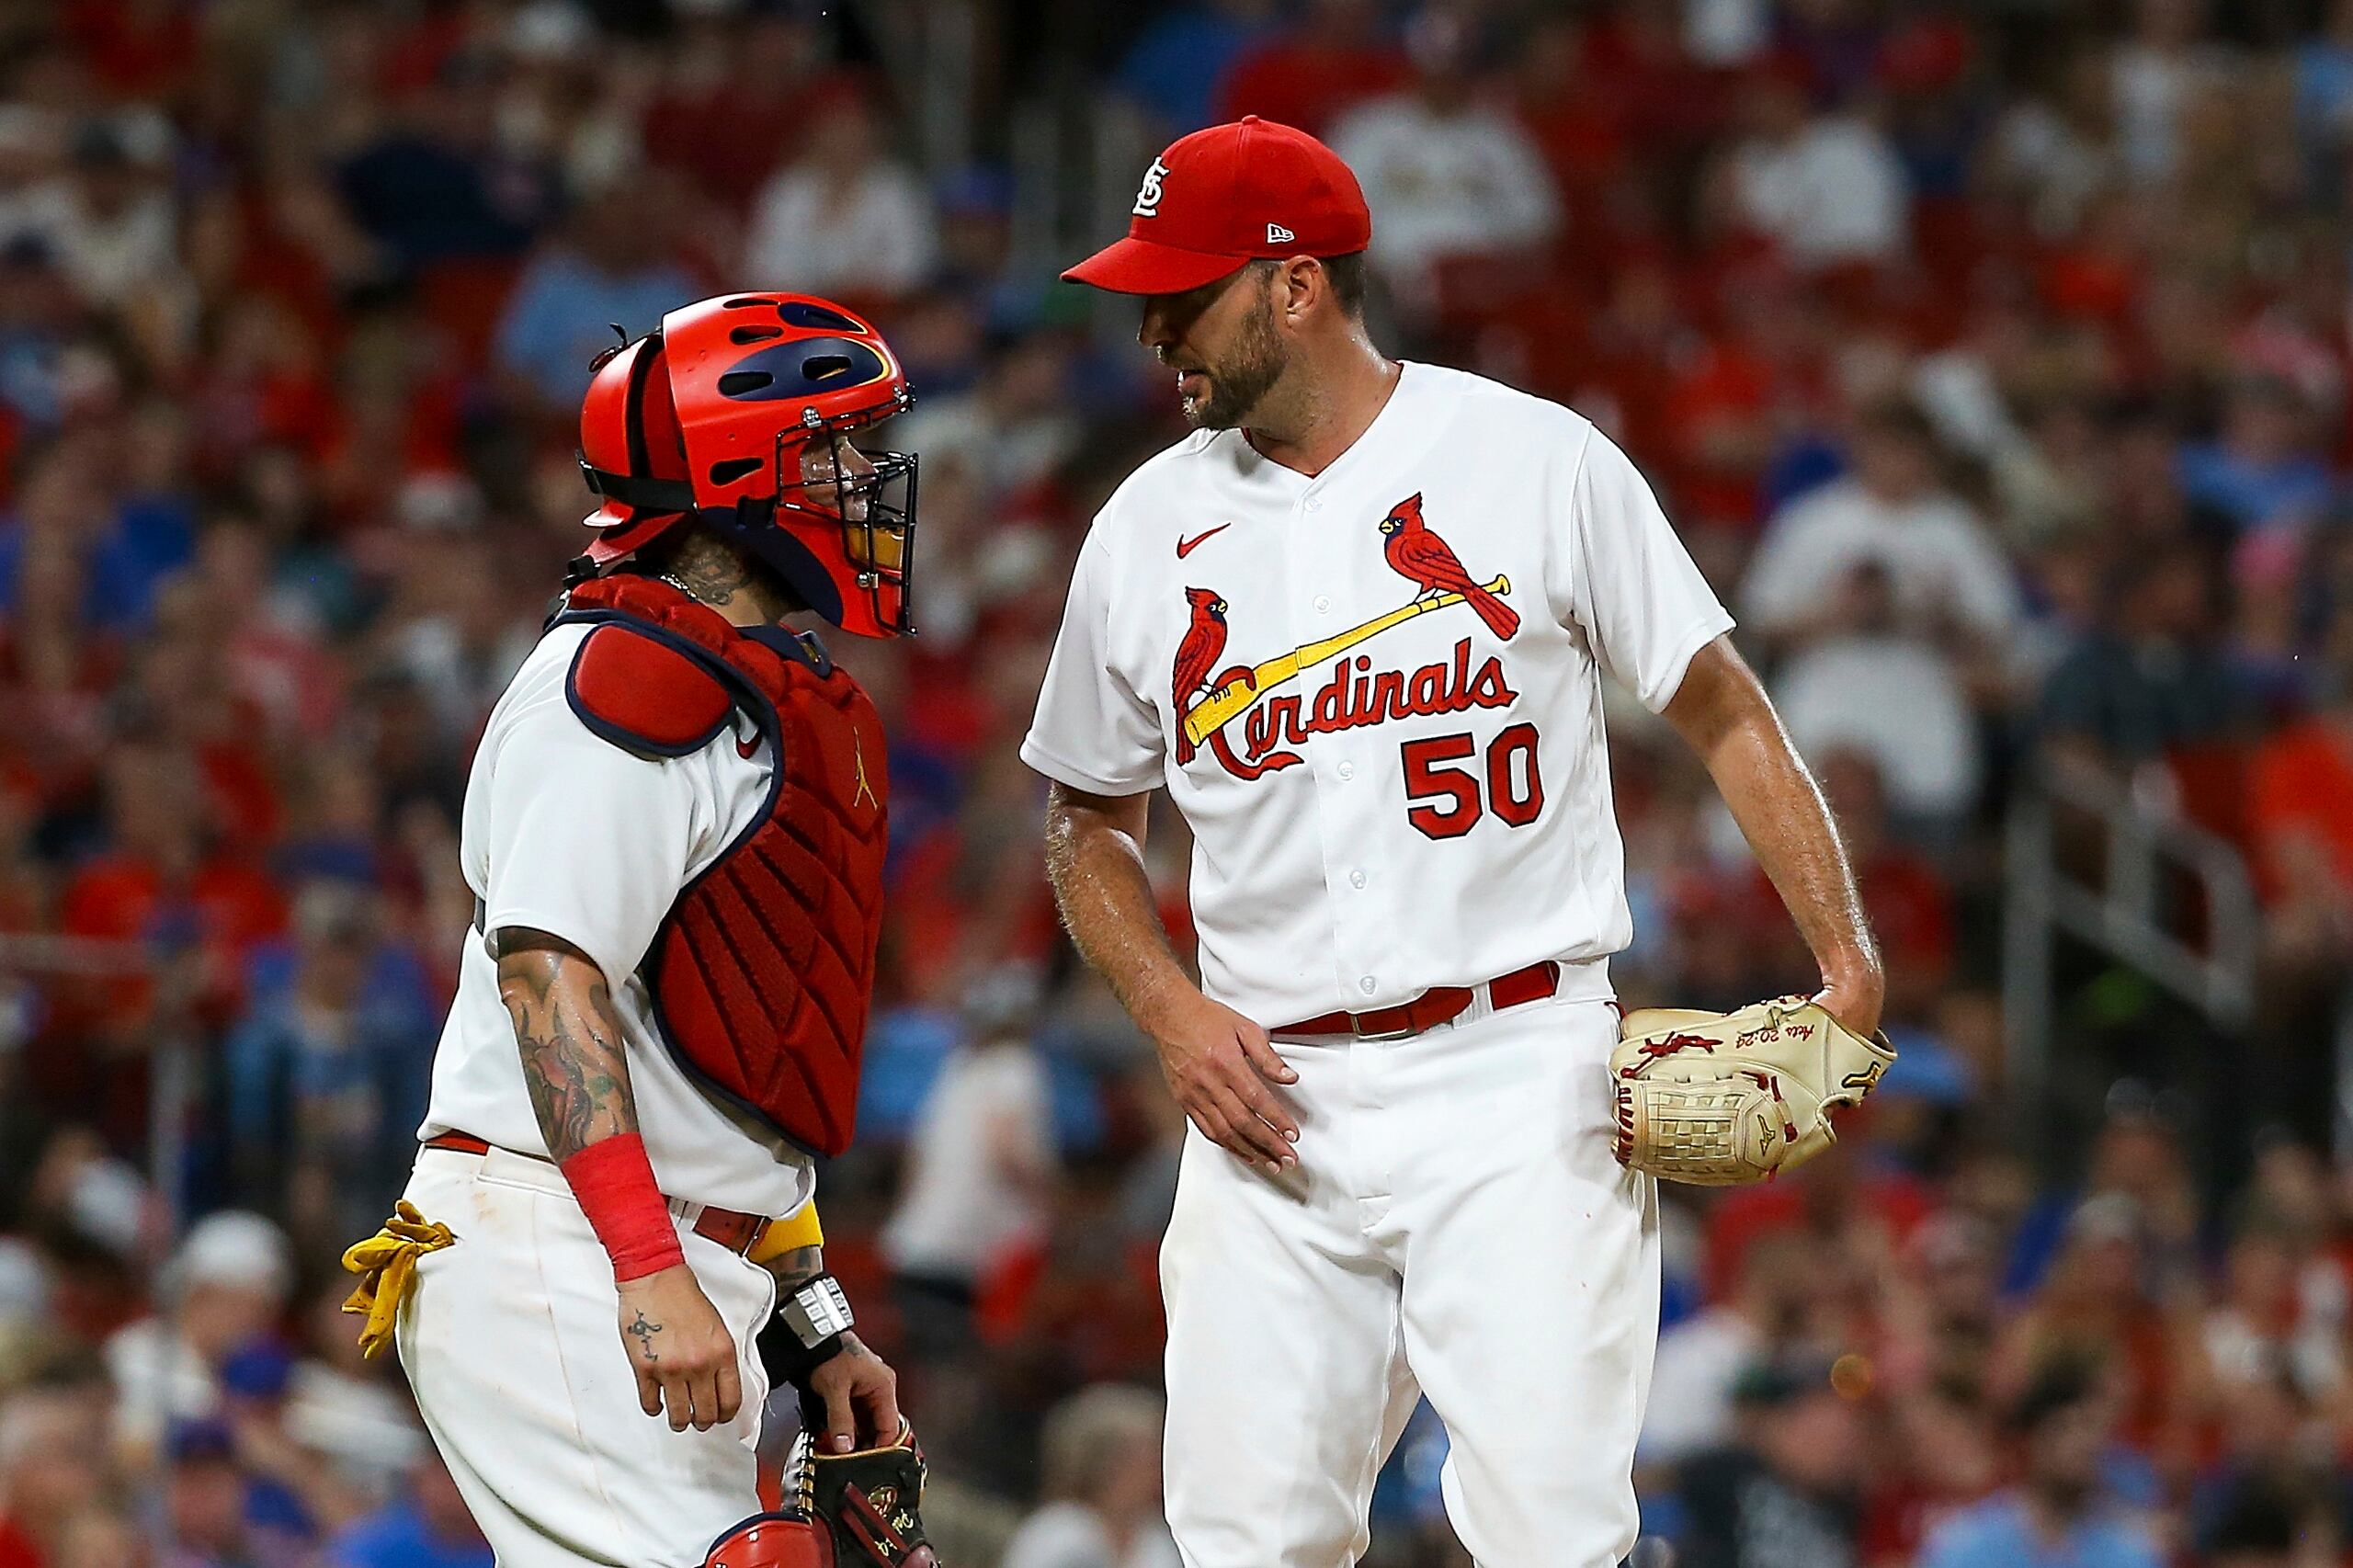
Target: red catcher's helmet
737, 412
769, 1540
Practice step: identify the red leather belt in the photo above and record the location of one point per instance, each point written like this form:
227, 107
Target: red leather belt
1437, 1006
729, 1228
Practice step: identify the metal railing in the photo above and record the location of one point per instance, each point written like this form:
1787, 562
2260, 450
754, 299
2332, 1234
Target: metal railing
2208, 961
172, 1097
930, 49
1077, 153
2341, 1124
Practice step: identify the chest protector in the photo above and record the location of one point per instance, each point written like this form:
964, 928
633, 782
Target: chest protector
762, 972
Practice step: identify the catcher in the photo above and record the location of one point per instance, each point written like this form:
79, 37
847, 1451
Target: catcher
673, 830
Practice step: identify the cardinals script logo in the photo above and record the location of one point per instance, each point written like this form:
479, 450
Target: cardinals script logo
1208, 705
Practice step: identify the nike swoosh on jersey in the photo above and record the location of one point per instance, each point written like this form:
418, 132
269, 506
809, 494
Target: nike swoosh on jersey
1185, 546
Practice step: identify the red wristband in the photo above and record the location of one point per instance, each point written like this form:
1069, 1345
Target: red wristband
614, 1182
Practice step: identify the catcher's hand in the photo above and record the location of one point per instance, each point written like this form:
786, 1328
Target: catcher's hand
1717, 1100
849, 1398
865, 1507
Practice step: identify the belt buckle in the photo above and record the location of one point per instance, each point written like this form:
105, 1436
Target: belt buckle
1356, 1028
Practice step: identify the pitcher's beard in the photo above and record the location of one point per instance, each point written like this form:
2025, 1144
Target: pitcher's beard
1238, 386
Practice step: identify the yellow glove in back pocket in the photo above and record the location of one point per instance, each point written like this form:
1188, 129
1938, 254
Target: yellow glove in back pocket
386, 1264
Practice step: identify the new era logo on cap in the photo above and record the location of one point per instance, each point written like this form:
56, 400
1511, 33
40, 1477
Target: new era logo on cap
1206, 206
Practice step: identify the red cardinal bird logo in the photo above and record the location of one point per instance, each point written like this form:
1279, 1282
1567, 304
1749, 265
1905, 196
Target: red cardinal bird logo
1426, 560
1197, 655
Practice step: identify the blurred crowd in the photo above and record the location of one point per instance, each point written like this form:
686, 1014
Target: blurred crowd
1992, 356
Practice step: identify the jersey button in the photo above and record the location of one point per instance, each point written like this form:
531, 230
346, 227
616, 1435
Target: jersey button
1314, 503
1347, 770
1366, 985
1356, 879
1322, 604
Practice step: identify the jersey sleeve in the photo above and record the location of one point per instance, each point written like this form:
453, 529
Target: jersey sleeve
1634, 588
589, 842
1093, 731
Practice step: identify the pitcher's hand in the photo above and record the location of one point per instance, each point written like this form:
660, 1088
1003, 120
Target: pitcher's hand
1221, 1068
1855, 998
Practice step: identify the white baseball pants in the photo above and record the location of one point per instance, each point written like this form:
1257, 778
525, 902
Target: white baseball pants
1457, 1227
511, 1340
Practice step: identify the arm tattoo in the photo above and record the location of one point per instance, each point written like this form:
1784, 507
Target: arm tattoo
570, 1039
643, 1331
795, 1268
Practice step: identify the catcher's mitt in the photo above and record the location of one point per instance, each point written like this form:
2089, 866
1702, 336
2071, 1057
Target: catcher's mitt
864, 1506
1717, 1100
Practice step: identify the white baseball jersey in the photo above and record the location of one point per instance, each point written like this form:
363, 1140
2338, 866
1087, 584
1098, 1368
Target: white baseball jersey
1375, 694
568, 833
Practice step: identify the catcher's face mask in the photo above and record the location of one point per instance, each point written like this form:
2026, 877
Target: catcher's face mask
870, 495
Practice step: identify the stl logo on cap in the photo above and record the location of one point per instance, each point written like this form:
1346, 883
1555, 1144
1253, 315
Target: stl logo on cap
1148, 195
1250, 189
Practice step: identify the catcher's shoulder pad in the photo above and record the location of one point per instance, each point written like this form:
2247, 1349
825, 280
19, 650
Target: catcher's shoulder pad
632, 688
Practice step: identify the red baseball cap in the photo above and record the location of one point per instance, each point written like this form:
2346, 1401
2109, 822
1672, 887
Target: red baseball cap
1226, 196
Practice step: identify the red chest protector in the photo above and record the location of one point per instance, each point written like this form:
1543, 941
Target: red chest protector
762, 972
